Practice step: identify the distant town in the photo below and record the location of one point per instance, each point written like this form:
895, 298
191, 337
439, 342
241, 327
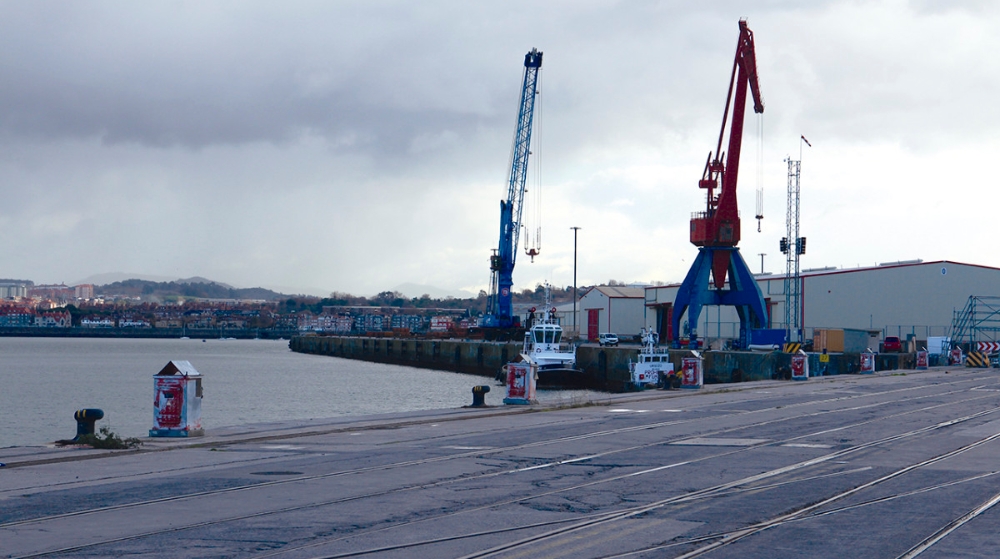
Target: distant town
203, 305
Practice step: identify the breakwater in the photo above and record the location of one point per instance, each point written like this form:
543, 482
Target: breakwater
605, 368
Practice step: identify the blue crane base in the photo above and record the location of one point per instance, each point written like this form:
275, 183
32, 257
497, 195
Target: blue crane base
695, 292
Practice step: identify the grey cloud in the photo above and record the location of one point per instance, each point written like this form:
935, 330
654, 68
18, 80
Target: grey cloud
358, 145
224, 77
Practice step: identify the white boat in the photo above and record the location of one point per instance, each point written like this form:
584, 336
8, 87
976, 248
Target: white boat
653, 367
556, 363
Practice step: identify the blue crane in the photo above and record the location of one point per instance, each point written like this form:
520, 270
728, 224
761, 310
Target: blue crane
499, 313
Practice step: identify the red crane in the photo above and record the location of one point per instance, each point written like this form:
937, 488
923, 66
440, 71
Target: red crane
716, 231
719, 224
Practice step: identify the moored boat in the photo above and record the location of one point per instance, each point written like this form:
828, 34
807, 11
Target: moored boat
653, 367
556, 363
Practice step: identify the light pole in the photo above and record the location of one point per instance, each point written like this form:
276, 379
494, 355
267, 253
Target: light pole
575, 332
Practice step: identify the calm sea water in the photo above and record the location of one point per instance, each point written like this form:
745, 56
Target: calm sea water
44, 380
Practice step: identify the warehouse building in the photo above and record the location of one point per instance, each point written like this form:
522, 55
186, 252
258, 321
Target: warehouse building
612, 309
912, 299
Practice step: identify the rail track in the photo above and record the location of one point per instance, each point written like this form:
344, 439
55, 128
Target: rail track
961, 392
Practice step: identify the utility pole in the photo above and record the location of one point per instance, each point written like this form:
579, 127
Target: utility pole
575, 332
762, 255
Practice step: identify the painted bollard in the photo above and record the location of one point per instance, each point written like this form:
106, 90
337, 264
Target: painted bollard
177, 394
867, 363
520, 383
85, 420
956, 356
691, 372
800, 366
479, 396
922, 360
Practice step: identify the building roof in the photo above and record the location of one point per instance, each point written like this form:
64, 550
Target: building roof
833, 270
179, 368
616, 292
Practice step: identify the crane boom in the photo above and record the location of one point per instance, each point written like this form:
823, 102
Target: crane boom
499, 307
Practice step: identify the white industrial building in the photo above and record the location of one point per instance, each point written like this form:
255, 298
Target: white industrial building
907, 299
612, 309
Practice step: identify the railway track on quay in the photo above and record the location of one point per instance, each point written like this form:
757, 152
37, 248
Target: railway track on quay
886, 466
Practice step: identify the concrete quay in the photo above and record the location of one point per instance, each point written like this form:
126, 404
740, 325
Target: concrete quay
896, 464
604, 368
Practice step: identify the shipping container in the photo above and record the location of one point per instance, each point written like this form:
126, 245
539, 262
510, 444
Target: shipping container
832, 340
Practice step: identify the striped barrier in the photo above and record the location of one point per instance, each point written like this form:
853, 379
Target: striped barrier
977, 359
792, 347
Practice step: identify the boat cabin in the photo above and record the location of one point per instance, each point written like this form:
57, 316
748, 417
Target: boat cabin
546, 334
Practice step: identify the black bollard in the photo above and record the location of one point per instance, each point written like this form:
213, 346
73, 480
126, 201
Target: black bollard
85, 420
479, 396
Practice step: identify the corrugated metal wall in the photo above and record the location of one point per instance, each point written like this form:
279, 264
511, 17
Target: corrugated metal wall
913, 299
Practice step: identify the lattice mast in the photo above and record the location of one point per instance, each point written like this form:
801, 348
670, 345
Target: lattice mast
793, 282
793, 247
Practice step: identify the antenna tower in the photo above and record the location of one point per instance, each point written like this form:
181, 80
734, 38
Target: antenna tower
793, 283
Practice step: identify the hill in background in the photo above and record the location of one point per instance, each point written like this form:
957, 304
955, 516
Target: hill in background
198, 288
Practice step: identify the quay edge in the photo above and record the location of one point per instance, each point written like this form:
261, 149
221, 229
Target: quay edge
606, 368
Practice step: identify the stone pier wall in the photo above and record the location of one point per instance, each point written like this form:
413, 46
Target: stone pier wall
606, 368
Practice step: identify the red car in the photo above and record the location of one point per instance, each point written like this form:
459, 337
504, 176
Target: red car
891, 344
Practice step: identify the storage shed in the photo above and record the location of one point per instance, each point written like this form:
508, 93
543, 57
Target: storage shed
612, 309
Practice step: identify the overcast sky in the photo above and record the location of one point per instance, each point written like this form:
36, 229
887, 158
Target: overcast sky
357, 146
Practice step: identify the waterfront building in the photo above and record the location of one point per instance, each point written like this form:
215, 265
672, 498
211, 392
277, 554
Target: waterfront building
55, 319
612, 309
13, 316
912, 299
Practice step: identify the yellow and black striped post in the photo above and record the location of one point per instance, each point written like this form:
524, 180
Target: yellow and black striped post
977, 359
792, 347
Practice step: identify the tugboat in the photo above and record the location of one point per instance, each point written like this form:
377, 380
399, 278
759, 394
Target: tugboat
543, 347
653, 367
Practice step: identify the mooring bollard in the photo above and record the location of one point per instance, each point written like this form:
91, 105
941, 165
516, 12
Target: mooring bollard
479, 396
85, 420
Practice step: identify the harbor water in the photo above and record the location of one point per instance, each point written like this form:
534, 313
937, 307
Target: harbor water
44, 380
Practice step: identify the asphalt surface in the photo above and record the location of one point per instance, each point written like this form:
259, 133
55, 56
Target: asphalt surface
901, 464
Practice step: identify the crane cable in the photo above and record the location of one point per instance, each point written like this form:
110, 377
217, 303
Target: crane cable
760, 169
533, 228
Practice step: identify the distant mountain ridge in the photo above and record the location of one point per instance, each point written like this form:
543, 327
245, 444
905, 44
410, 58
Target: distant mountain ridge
195, 288
416, 290
112, 277
123, 283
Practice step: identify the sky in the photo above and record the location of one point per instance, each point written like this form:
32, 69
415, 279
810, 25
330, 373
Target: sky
313, 147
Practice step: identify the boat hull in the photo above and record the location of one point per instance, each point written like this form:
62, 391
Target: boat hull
561, 377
